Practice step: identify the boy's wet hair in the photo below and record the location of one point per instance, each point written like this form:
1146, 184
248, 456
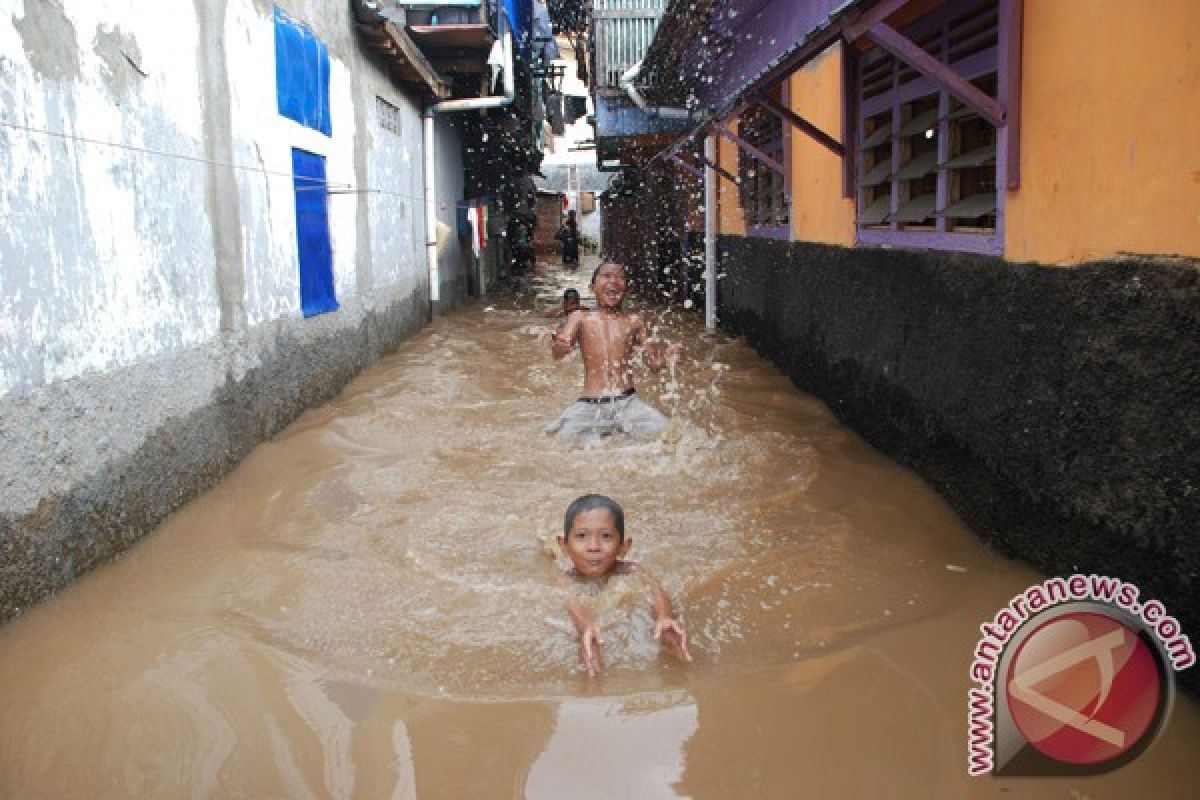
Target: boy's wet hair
571, 294
604, 264
591, 502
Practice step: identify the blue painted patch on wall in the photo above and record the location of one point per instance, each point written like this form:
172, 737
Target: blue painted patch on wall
312, 234
301, 75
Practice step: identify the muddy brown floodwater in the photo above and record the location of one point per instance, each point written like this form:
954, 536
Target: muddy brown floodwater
366, 607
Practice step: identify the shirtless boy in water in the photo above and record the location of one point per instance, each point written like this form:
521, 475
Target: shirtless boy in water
595, 543
608, 338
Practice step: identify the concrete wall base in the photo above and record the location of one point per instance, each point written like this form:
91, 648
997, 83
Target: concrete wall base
95, 463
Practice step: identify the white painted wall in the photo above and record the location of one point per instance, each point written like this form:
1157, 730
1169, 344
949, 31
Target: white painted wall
263, 139
149, 279
107, 254
94, 269
453, 257
589, 224
396, 202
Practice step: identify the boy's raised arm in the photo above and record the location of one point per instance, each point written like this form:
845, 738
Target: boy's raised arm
565, 337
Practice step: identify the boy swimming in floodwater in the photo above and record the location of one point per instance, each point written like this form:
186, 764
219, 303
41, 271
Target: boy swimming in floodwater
608, 338
570, 302
595, 543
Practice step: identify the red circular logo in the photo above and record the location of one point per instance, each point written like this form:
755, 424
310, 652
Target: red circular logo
1084, 688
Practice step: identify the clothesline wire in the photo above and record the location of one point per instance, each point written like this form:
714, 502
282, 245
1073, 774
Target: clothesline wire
317, 184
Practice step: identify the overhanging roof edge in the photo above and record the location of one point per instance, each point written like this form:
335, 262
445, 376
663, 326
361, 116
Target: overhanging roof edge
797, 56
819, 38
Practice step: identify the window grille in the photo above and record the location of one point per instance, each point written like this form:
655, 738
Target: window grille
927, 163
763, 190
388, 114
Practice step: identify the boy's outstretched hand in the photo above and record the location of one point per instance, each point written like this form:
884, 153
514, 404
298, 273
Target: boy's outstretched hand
590, 642
670, 632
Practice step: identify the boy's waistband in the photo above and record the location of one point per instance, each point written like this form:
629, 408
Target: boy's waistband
609, 398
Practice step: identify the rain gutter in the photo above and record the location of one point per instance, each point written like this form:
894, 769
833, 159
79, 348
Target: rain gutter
665, 112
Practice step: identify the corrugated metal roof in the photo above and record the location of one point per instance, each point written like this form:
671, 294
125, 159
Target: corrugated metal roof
716, 49
623, 30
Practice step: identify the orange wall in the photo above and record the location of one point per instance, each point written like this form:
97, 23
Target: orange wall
819, 212
1110, 137
1110, 131
731, 219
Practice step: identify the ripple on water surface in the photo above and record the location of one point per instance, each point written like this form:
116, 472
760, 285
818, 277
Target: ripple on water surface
408, 528
369, 605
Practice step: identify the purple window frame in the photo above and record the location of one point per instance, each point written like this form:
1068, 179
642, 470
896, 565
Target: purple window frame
777, 231
997, 60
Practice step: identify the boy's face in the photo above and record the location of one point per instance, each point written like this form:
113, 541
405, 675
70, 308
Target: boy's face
593, 544
571, 304
609, 286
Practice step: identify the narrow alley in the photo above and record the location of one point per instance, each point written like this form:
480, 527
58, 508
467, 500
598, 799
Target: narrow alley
366, 606
597, 399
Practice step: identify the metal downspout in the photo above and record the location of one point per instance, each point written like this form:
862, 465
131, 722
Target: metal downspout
710, 233
435, 289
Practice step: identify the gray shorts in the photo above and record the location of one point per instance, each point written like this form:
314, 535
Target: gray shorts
628, 415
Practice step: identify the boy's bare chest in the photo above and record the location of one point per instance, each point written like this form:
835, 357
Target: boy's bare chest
612, 333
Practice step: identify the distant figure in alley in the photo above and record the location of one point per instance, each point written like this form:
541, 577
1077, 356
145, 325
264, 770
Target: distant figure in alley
568, 234
609, 339
570, 302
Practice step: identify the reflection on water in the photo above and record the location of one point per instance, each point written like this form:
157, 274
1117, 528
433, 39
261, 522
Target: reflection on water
615, 747
367, 607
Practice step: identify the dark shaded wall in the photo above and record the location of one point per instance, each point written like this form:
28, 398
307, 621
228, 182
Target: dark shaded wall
643, 229
1057, 410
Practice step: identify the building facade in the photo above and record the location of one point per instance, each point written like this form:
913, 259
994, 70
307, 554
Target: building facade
970, 226
213, 216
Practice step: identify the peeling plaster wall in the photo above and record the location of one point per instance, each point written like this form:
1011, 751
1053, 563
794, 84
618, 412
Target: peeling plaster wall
396, 213
264, 138
69, 208
150, 325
